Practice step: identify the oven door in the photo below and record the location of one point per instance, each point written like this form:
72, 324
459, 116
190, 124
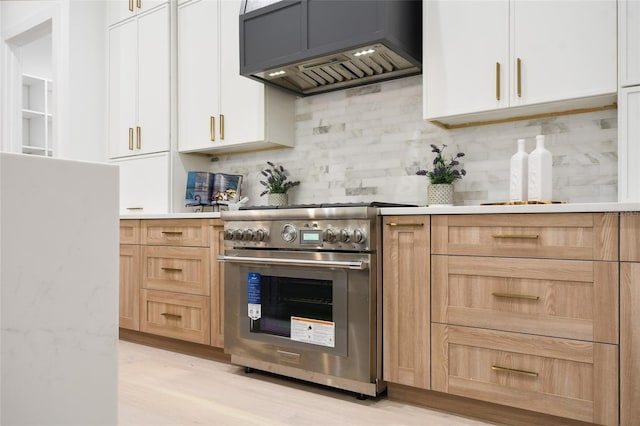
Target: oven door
316, 311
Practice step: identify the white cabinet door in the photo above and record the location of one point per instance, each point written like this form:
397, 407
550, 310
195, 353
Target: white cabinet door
629, 42
629, 144
154, 114
123, 72
144, 183
123, 9
567, 50
198, 75
242, 100
463, 42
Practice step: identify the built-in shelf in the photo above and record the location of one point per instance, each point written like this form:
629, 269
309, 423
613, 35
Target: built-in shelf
37, 116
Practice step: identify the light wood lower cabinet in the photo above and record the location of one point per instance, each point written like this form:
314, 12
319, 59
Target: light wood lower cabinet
561, 377
179, 269
217, 284
406, 301
129, 295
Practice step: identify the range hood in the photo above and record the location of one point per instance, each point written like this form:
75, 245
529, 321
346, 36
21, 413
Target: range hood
315, 46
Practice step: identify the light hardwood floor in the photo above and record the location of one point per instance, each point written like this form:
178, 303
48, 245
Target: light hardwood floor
161, 388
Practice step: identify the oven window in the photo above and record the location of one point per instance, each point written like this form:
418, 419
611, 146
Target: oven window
284, 297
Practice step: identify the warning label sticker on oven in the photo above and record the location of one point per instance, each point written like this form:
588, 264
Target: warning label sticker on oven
316, 332
254, 308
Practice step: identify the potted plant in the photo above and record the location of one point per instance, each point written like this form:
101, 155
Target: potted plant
445, 171
277, 184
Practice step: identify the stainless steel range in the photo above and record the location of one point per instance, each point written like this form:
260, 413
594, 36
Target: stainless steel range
301, 293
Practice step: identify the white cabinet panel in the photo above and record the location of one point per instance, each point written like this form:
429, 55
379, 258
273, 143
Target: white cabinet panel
144, 183
629, 144
123, 9
629, 42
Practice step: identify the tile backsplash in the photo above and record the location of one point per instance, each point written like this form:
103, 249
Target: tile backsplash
366, 144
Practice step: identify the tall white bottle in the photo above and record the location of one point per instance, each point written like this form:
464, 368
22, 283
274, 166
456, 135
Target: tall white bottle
518, 179
540, 179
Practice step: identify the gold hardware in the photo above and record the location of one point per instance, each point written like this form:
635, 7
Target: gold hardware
221, 126
138, 137
519, 67
515, 296
172, 232
130, 5
134, 208
130, 138
497, 81
212, 128
168, 315
171, 269
139, 3
404, 224
525, 236
514, 371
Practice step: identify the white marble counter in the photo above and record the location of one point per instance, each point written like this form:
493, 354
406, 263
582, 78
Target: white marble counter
533, 208
59, 291
198, 215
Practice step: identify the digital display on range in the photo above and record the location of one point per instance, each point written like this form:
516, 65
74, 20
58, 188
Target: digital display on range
310, 237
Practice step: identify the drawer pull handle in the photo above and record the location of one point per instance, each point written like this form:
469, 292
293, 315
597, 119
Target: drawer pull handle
526, 236
164, 268
514, 371
168, 315
515, 296
172, 232
405, 224
134, 208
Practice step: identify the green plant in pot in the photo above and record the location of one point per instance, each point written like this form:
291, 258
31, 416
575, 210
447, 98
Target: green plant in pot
445, 171
277, 184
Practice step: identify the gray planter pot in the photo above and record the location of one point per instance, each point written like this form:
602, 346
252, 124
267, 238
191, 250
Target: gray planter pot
278, 199
440, 194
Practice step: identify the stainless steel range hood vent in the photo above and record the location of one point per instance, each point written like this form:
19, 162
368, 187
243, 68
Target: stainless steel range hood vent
315, 46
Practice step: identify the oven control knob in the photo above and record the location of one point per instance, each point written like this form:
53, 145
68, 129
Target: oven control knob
345, 235
237, 235
248, 235
261, 234
330, 235
359, 237
228, 234
289, 233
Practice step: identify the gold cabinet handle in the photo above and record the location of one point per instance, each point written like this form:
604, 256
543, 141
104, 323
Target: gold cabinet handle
515, 296
172, 232
134, 208
168, 269
519, 81
212, 128
139, 4
524, 236
168, 315
497, 81
130, 5
221, 127
130, 138
138, 137
405, 224
514, 371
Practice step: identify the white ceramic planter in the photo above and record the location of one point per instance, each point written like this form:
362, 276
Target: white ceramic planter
278, 199
440, 194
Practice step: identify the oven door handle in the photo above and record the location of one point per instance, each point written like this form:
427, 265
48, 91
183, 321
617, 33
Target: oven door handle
359, 265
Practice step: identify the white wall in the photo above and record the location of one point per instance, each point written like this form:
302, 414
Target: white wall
366, 144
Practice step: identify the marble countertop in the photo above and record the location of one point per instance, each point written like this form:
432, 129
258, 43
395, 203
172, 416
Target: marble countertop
532, 208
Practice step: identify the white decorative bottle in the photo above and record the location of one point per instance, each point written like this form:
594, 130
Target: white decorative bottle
519, 167
540, 183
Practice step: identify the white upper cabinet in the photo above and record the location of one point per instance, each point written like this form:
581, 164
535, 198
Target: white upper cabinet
139, 84
123, 9
219, 110
145, 183
629, 43
488, 57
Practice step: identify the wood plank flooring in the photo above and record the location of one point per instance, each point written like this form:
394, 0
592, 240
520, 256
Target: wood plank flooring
162, 388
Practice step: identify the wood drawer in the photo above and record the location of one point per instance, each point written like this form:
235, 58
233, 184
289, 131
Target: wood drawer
177, 315
129, 231
630, 237
566, 378
575, 299
176, 232
179, 269
588, 236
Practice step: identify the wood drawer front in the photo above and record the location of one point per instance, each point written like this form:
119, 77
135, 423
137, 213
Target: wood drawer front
575, 299
589, 236
630, 237
176, 315
567, 378
176, 232
180, 269
130, 231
